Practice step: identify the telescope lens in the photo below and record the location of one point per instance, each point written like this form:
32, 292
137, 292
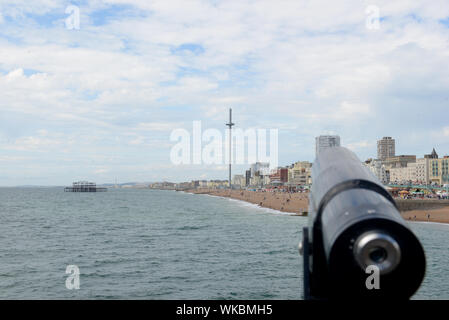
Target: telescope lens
379, 249
378, 255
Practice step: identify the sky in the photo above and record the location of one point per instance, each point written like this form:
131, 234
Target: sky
98, 100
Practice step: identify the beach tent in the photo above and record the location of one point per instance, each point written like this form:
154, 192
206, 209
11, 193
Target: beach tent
403, 193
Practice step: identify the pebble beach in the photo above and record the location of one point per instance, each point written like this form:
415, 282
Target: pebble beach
297, 203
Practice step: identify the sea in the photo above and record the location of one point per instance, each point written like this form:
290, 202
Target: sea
155, 244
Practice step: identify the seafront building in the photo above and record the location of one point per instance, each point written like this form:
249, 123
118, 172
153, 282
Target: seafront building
427, 170
403, 175
439, 170
185, 185
300, 174
324, 142
266, 179
217, 184
415, 172
239, 181
422, 171
377, 167
258, 175
247, 177
163, 185
386, 148
432, 155
256, 181
279, 176
400, 161
203, 183
262, 167
403, 169
294, 176
392, 169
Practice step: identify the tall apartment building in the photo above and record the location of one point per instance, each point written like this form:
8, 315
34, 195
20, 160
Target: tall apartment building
324, 142
385, 148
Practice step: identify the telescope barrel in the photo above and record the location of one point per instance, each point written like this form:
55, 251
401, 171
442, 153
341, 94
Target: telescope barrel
354, 224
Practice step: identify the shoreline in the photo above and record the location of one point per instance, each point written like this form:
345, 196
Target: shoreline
440, 215
257, 206
296, 204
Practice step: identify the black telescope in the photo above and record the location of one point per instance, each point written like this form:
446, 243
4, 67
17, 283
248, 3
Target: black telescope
355, 234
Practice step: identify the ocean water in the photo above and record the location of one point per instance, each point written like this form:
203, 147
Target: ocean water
150, 244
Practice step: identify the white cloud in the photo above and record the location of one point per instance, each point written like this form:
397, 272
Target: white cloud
350, 110
355, 146
305, 67
158, 126
12, 159
101, 170
33, 143
446, 131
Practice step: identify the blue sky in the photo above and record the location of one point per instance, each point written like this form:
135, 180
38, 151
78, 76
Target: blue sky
99, 103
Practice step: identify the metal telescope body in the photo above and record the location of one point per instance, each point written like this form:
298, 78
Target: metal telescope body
354, 224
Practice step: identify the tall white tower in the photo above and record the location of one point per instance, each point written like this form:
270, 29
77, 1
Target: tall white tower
230, 124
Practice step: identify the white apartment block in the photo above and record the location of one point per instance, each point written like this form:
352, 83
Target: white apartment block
378, 169
422, 170
399, 175
415, 172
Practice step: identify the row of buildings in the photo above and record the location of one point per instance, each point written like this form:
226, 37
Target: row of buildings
294, 176
259, 175
388, 167
211, 184
297, 175
408, 169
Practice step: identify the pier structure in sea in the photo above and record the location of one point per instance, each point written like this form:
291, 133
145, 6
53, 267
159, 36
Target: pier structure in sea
84, 186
